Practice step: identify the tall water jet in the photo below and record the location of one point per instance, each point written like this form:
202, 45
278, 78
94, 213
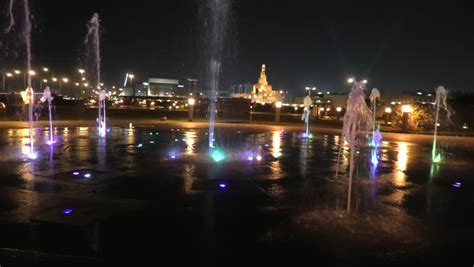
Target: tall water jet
92, 43
374, 96
11, 17
440, 102
306, 112
216, 24
358, 117
27, 95
102, 120
47, 97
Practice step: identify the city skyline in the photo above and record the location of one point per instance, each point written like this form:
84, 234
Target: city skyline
395, 48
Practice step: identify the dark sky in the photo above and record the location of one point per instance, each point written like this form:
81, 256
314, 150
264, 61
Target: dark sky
397, 46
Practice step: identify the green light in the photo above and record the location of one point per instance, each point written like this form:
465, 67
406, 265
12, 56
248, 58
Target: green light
217, 155
436, 157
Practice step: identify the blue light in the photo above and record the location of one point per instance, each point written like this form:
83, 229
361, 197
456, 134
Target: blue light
374, 159
222, 185
457, 185
217, 155
87, 175
33, 156
140, 145
67, 211
250, 158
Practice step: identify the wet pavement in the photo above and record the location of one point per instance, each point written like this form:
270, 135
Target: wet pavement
154, 194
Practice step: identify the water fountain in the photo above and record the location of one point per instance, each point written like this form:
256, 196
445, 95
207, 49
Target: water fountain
27, 95
92, 42
374, 95
306, 113
216, 29
440, 102
102, 119
376, 139
47, 97
358, 117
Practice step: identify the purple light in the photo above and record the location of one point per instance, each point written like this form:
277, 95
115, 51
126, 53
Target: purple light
457, 184
49, 142
259, 158
249, 158
67, 211
75, 173
222, 185
173, 156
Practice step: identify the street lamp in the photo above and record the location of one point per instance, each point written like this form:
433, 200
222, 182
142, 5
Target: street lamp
278, 106
64, 80
191, 102
131, 76
42, 82
309, 89
17, 72
82, 71
45, 69
30, 73
353, 80
406, 109
8, 74
388, 111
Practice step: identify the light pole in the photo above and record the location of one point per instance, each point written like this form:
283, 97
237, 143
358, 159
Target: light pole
191, 102
277, 111
309, 89
388, 111
82, 71
30, 73
8, 74
64, 80
131, 76
406, 109
43, 81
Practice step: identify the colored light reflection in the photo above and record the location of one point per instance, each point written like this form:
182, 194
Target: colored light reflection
75, 173
67, 211
276, 144
402, 160
222, 185
457, 185
190, 140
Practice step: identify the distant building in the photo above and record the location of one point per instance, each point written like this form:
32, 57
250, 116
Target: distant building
261, 92
162, 87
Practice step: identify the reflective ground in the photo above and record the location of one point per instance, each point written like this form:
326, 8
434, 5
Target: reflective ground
154, 194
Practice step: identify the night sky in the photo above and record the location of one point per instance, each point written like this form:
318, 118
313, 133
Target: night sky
402, 46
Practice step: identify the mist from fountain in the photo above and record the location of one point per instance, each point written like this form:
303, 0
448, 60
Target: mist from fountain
47, 97
358, 117
440, 102
217, 14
